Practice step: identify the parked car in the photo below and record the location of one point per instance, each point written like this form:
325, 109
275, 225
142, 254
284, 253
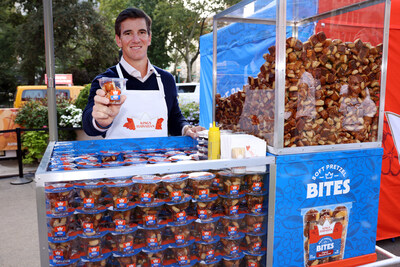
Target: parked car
30, 92
188, 92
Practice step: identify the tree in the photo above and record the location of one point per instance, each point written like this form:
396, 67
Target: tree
158, 50
186, 21
84, 42
8, 60
82, 45
96, 50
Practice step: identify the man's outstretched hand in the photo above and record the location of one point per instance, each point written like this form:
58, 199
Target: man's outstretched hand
104, 112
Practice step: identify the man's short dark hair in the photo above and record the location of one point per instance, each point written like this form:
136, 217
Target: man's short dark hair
131, 13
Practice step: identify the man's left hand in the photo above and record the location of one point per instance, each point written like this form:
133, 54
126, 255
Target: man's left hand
192, 131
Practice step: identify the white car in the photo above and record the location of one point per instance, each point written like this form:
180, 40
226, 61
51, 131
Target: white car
188, 92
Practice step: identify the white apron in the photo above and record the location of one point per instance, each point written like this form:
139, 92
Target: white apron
143, 114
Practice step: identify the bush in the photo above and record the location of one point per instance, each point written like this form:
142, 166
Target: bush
191, 111
34, 115
34, 144
69, 116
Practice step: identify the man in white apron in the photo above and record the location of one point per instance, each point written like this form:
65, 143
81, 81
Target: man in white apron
149, 105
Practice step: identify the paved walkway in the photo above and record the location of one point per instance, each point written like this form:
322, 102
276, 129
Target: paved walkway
9, 168
19, 239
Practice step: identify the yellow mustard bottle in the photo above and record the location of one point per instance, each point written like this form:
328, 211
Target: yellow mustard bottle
214, 148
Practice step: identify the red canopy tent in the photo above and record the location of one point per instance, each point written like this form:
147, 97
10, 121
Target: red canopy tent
389, 200
346, 28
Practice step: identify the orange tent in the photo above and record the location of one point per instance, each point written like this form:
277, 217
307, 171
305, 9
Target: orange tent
389, 200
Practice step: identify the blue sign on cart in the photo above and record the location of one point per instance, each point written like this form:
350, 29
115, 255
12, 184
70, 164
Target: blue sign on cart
326, 206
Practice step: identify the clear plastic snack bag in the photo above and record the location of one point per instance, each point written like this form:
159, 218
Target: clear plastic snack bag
325, 231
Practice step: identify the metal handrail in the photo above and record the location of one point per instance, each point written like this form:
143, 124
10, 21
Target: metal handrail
393, 260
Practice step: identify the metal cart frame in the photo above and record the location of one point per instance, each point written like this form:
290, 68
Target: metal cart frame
42, 176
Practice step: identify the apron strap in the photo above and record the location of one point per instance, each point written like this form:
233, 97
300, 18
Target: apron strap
159, 83
158, 77
121, 76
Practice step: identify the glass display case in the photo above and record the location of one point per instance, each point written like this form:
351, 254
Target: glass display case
306, 76
134, 203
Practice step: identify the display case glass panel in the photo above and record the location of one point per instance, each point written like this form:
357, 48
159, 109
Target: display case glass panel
303, 75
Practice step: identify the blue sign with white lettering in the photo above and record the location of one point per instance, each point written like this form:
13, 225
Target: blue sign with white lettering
326, 206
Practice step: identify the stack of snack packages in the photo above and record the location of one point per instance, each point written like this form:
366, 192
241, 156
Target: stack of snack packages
67, 158
207, 218
60, 217
243, 227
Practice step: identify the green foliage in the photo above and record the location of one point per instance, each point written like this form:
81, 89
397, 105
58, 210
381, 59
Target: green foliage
82, 98
84, 42
184, 27
8, 60
95, 50
34, 115
34, 144
83, 46
191, 111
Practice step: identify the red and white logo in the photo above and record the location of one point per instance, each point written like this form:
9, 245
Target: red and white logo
122, 200
234, 209
61, 204
234, 187
60, 228
88, 227
176, 194
128, 245
58, 253
94, 249
257, 246
183, 258
146, 195
155, 261
257, 184
152, 241
232, 229
181, 215
206, 234
203, 193
88, 200
179, 238
150, 218
202, 212
144, 124
120, 222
